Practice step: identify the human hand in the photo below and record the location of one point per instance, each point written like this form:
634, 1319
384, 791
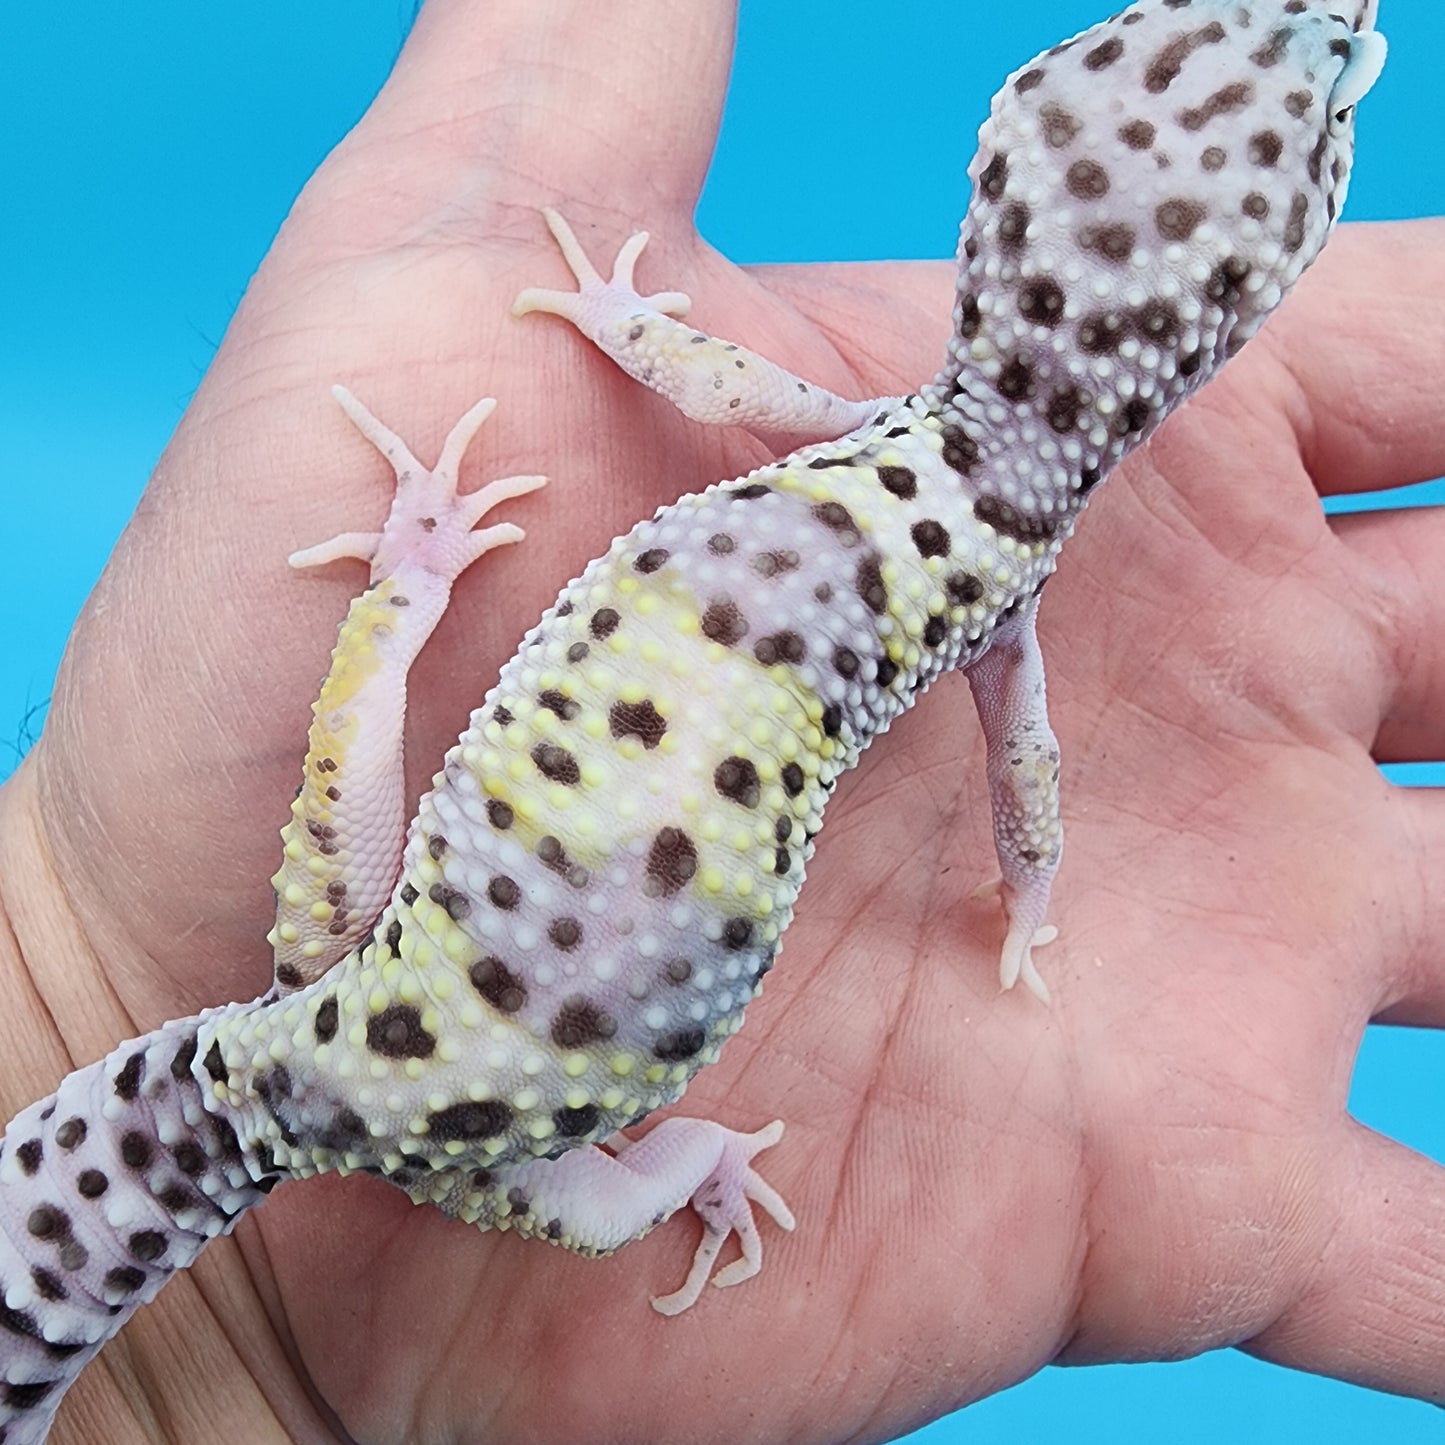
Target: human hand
1159, 1163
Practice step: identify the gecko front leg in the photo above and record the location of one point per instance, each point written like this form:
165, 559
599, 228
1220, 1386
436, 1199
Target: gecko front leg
342, 847
708, 379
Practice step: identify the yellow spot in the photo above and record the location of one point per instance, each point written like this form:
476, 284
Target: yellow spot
712, 879
415, 1069
541, 1128
657, 1073
454, 1147
611, 1099
622, 1064
525, 1100
378, 1000
575, 1065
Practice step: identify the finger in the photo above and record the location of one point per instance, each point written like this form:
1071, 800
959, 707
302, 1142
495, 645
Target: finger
596, 99
1374, 1311
1365, 339
1402, 552
1414, 926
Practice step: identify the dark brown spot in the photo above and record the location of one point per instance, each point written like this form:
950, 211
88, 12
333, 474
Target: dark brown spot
931, 538
1255, 206
962, 590
185, 1056
751, 492
502, 715
785, 646
1273, 50
960, 451
504, 892
604, 622
288, 975
869, 584
1016, 379
327, 1018
1065, 404
1317, 156
886, 672
73, 1131
993, 177
720, 544
127, 1082
91, 1183
1100, 333
1029, 80
833, 720
782, 861
1138, 135
1265, 148
1164, 69
396, 1033
792, 776
573, 1123
577, 652
190, 1158
559, 704
48, 1284
30, 1154
737, 933
565, 933
1158, 322
1114, 241
135, 1149
671, 861
457, 904
1009, 521
679, 1045
737, 779
837, 518
652, 559
1060, 124
845, 662
1087, 180
48, 1222
1013, 227
500, 814
1298, 102
409, 895
484, 1120
436, 845
25, 1397
580, 1022
393, 935
556, 764
900, 481
970, 318
175, 1197
1225, 101
724, 623
1101, 57
1294, 230
1226, 281
639, 720
147, 1244
214, 1064
496, 983
1213, 158
771, 564
1132, 417
1177, 218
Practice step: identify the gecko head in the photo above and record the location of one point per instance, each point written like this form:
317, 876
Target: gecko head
1145, 195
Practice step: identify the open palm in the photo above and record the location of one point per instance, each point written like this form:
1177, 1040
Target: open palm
1160, 1163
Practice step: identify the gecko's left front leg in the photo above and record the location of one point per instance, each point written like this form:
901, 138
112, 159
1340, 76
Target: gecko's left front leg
1023, 783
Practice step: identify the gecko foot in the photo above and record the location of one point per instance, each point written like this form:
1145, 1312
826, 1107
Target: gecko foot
430, 524
724, 1201
596, 301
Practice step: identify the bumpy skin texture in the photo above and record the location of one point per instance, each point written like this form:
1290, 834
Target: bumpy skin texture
983, 466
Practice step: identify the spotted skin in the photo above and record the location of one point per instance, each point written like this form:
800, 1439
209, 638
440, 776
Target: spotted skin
601, 876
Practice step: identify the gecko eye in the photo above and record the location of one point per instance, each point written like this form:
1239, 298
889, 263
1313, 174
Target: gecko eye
1361, 70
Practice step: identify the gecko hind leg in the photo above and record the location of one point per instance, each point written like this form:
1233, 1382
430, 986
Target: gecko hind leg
343, 844
708, 379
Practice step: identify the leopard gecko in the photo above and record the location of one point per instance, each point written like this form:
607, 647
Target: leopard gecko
600, 877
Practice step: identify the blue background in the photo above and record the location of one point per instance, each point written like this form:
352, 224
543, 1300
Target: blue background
148, 155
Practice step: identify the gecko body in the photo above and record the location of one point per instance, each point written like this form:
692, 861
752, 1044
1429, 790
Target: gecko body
599, 879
